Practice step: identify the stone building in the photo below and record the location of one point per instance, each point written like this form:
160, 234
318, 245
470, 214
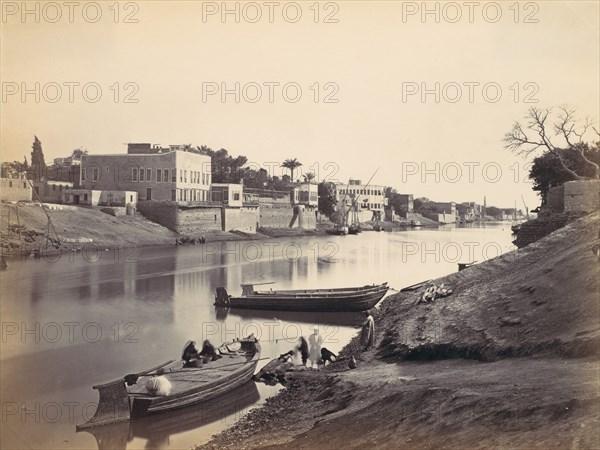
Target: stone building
155, 173
15, 189
367, 201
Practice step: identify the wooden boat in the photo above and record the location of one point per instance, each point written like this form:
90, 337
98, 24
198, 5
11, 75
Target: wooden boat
354, 229
414, 287
190, 386
158, 430
322, 300
338, 230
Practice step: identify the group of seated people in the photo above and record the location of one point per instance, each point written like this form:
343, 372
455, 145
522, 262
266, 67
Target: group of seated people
194, 358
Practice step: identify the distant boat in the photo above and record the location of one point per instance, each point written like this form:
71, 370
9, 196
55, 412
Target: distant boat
189, 385
415, 223
339, 230
354, 229
323, 300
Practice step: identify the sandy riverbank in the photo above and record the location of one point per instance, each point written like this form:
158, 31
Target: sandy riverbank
80, 227
509, 360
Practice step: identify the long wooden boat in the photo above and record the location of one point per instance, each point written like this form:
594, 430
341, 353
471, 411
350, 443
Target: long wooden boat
322, 300
157, 430
190, 386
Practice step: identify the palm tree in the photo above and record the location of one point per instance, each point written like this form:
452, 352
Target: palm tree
291, 164
308, 177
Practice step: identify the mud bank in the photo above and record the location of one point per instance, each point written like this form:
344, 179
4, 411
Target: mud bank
79, 228
509, 360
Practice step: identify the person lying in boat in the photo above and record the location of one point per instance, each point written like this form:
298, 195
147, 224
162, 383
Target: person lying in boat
209, 351
190, 355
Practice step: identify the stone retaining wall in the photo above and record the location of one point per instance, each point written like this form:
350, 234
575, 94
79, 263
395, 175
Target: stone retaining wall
582, 196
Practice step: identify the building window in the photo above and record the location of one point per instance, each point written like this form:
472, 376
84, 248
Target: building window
24, 185
134, 174
174, 176
236, 195
148, 174
174, 194
142, 173
180, 175
83, 174
85, 197
95, 174
158, 175
185, 176
131, 198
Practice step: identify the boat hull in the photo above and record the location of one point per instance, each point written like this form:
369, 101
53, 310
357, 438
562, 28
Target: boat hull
193, 386
333, 301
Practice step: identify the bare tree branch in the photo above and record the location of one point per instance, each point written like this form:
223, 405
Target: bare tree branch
538, 122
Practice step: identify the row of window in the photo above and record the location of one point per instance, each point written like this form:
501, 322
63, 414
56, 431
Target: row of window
361, 191
10, 184
141, 174
189, 195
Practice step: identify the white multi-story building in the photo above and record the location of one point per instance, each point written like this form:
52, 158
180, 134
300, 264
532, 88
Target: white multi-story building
368, 201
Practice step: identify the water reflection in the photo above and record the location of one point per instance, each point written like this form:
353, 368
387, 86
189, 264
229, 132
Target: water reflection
168, 296
157, 430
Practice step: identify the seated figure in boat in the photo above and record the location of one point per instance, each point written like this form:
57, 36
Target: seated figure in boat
190, 355
209, 351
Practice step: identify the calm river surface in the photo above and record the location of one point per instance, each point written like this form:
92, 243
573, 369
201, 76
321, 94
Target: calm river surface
88, 319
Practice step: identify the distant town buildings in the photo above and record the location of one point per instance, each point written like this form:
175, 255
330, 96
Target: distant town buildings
306, 194
368, 201
50, 191
15, 189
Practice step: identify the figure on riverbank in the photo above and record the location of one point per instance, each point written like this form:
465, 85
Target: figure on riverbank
327, 355
367, 336
316, 341
274, 371
302, 348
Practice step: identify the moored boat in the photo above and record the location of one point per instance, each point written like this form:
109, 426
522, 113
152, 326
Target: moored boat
337, 299
188, 386
338, 230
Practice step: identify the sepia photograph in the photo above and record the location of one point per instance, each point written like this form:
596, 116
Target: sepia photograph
300, 224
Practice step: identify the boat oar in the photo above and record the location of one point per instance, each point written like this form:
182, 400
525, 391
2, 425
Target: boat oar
216, 367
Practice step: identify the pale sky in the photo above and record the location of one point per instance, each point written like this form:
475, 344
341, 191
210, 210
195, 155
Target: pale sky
375, 52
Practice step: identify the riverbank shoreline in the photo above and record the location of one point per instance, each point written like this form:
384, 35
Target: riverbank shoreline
82, 229
510, 359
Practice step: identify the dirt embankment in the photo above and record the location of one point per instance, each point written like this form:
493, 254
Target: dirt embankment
78, 227
509, 360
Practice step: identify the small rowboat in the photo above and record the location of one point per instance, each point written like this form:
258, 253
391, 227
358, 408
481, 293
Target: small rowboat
322, 300
190, 386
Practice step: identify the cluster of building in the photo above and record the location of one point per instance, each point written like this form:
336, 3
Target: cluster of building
157, 180
173, 186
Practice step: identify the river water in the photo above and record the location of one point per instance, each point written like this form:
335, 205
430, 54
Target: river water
87, 318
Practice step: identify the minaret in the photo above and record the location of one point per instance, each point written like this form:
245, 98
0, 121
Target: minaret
484, 206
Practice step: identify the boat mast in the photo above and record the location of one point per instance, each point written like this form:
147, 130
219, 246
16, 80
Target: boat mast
366, 185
